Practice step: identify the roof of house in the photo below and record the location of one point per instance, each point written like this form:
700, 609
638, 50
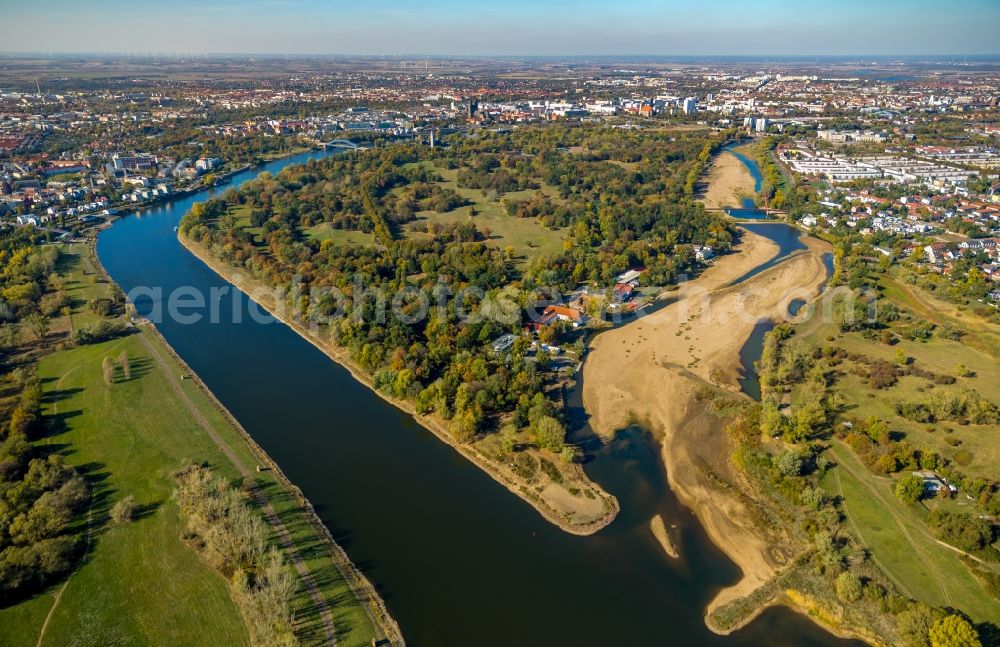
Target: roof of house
563, 311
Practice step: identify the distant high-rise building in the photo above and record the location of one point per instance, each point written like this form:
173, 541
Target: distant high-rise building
473, 107
759, 124
690, 106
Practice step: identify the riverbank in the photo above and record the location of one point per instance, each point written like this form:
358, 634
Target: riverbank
291, 515
689, 349
581, 513
728, 180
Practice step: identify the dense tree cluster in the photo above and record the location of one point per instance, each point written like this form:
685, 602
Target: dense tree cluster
621, 195
966, 406
40, 498
962, 529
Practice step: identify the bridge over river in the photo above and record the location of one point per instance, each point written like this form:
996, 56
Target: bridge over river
338, 143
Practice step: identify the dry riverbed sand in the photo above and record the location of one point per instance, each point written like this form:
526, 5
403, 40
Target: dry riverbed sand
727, 179
656, 369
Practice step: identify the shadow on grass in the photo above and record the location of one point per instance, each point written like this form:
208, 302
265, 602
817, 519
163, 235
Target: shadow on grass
273, 492
144, 510
309, 622
138, 368
58, 395
101, 494
56, 423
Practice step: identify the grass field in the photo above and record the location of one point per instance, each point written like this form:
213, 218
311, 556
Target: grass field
895, 533
897, 537
526, 236
326, 231
139, 583
979, 333
977, 445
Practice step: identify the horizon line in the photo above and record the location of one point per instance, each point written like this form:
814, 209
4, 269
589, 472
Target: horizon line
488, 56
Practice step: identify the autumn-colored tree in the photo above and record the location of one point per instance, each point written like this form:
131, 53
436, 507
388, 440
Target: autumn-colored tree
549, 433
953, 631
38, 324
108, 368
848, 586
123, 510
125, 364
910, 488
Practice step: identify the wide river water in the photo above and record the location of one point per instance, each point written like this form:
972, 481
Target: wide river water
459, 560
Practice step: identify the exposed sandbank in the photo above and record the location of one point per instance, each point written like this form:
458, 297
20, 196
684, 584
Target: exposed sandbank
727, 179
659, 530
658, 369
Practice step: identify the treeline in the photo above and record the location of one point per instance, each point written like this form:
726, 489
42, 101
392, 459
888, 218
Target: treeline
966, 406
25, 270
775, 190
40, 497
227, 533
699, 167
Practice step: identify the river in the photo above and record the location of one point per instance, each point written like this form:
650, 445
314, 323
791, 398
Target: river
458, 559
788, 241
748, 209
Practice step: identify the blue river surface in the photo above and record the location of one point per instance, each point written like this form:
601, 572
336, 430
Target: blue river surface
748, 209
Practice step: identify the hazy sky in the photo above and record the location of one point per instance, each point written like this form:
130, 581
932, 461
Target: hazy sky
520, 27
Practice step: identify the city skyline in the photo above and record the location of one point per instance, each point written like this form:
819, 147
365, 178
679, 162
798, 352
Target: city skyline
559, 28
